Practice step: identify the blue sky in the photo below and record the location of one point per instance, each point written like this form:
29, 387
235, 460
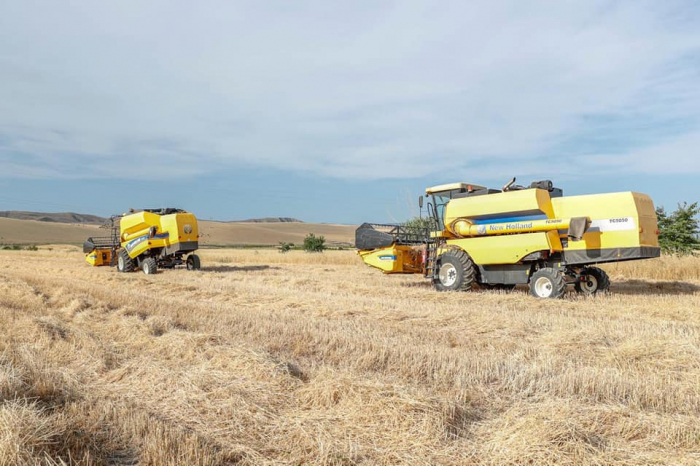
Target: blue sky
341, 111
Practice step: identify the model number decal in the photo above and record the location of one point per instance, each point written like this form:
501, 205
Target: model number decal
613, 224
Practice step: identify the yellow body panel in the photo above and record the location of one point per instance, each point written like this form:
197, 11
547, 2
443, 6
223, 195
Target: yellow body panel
517, 203
507, 249
618, 220
182, 227
648, 222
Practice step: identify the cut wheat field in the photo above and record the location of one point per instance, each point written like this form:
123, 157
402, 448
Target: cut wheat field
263, 358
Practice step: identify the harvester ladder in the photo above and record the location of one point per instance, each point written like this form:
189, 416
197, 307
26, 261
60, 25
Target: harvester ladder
113, 240
431, 257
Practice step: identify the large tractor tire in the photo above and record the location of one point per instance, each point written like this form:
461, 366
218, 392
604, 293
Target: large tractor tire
456, 271
149, 266
193, 262
124, 262
594, 281
547, 283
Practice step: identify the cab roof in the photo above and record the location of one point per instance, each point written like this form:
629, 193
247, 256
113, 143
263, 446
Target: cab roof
454, 188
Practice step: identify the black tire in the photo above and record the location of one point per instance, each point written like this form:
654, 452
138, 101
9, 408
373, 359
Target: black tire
149, 266
124, 262
594, 281
547, 283
193, 262
456, 271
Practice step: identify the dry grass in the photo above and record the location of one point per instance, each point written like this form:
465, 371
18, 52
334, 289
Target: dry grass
268, 358
677, 268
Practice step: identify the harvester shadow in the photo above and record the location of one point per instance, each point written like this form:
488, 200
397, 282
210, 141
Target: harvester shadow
623, 287
421, 284
640, 287
233, 268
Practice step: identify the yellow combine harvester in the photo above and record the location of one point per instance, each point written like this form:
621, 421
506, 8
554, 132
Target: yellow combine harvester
148, 239
516, 235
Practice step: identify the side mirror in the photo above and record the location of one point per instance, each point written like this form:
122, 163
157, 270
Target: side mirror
420, 202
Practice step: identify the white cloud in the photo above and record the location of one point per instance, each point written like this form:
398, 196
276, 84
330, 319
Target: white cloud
343, 89
678, 155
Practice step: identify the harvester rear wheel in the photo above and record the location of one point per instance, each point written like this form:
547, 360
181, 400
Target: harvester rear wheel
124, 262
547, 283
149, 266
456, 272
593, 281
193, 262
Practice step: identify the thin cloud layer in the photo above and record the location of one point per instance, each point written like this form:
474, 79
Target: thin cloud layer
362, 90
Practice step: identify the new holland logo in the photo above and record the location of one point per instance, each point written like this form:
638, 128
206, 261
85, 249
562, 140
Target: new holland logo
481, 229
135, 242
187, 228
387, 258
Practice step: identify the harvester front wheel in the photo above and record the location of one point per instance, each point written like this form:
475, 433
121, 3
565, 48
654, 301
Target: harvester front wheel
547, 283
456, 272
592, 281
193, 262
124, 262
149, 266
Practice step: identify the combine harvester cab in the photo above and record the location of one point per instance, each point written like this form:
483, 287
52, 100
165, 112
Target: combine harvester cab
516, 235
148, 239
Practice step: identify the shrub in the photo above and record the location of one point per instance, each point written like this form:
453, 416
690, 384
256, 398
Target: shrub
313, 243
285, 247
418, 226
17, 247
678, 231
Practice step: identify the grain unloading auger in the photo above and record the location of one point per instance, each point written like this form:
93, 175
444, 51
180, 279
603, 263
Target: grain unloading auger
147, 239
516, 235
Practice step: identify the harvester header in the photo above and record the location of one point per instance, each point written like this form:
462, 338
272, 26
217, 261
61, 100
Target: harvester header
499, 238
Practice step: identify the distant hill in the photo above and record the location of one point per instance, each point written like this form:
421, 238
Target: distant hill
269, 220
14, 231
56, 217
87, 219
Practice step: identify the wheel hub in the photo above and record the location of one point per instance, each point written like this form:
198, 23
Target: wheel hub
543, 287
589, 283
447, 275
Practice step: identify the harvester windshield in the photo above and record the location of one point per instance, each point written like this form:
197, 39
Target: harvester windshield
439, 201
